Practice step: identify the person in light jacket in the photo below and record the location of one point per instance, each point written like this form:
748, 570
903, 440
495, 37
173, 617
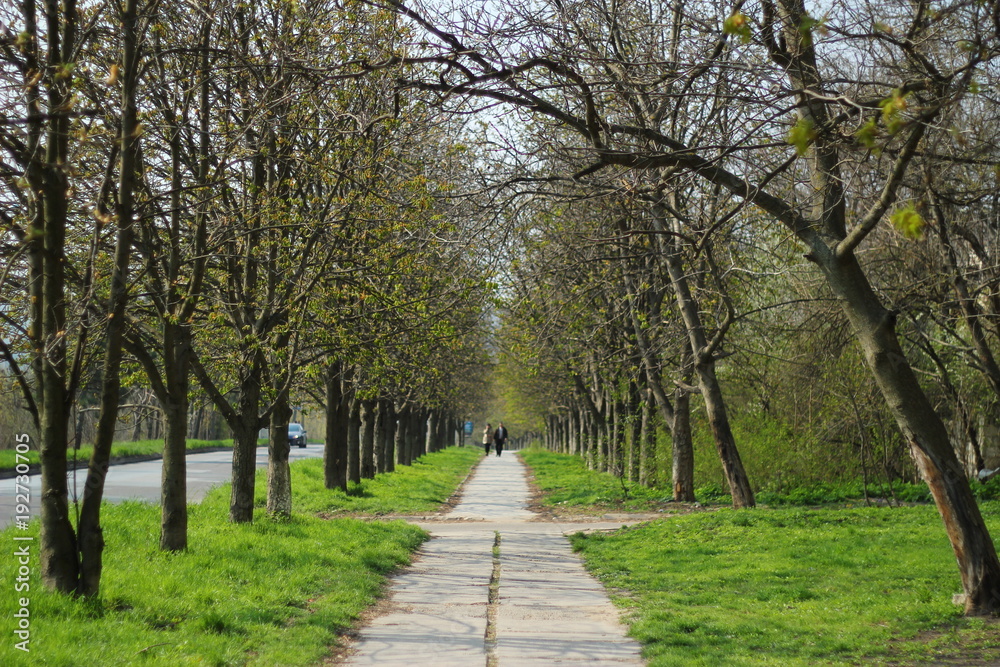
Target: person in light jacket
487, 438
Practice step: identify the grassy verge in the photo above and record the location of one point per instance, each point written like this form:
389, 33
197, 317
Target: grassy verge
568, 484
793, 587
8, 457
786, 586
421, 487
262, 594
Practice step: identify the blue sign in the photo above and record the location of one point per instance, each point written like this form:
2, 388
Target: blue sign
468, 428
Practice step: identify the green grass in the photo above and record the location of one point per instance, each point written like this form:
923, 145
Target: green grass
787, 586
420, 487
270, 593
8, 457
791, 587
567, 483
854, 492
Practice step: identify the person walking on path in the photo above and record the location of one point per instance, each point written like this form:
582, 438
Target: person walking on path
487, 438
499, 438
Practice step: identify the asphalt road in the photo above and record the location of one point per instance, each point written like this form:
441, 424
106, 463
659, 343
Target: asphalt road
141, 481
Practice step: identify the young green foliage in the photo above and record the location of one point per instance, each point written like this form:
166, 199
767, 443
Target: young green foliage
738, 25
908, 222
801, 136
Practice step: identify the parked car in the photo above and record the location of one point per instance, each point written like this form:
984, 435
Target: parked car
296, 435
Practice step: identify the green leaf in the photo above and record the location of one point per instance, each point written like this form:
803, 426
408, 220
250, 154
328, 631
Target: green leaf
802, 134
738, 25
892, 111
867, 134
908, 222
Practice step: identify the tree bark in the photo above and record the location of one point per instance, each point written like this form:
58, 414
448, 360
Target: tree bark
245, 431
89, 534
381, 434
354, 441
48, 178
615, 462
391, 427
420, 434
647, 440
241, 498
367, 439
704, 366
432, 428
635, 434
923, 430
337, 416
173, 482
683, 451
400, 434
279, 475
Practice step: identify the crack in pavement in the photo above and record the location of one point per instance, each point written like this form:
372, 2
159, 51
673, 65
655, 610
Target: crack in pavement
493, 605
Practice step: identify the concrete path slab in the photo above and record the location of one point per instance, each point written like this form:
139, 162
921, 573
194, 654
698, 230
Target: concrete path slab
496, 588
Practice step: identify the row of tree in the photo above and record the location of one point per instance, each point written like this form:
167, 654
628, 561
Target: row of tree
219, 198
669, 153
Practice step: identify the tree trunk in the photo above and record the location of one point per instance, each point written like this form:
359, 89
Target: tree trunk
381, 434
245, 429
683, 451
635, 434
924, 432
704, 366
48, 178
391, 427
337, 414
725, 443
410, 437
173, 481
400, 434
431, 436
421, 434
354, 441
579, 430
616, 437
279, 475
589, 439
367, 439
244, 471
90, 535
647, 438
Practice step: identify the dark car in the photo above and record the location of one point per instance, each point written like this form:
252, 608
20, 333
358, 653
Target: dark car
296, 435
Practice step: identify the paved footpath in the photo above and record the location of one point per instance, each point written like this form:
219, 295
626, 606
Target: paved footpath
494, 588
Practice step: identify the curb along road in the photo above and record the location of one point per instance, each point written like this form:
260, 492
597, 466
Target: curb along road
141, 481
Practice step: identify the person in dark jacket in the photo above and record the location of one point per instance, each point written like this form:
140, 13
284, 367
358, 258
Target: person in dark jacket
499, 438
